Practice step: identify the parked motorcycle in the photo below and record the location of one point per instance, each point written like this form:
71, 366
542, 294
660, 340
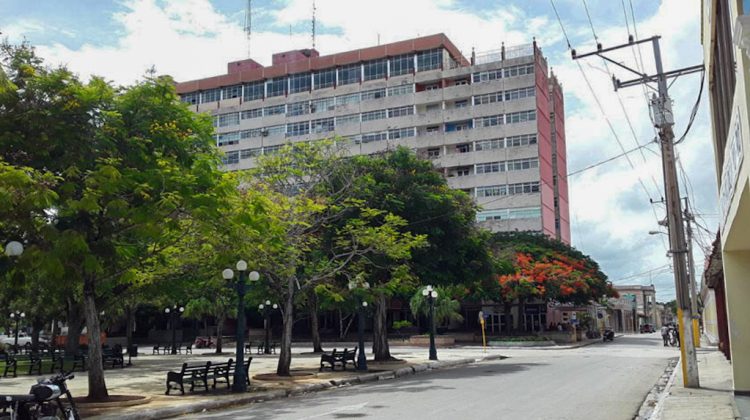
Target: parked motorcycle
43, 402
609, 335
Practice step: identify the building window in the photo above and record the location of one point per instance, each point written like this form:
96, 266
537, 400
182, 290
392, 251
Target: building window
489, 168
518, 117
462, 171
430, 60
211, 95
461, 82
432, 86
373, 115
350, 74
250, 153
256, 132
491, 144
523, 188
433, 129
372, 94
458, 126
486, 76
225, 120
490, 121
275, 130
231, 158
400, 111
402, 64
297, 108
401, 133
325, 78
521, 70
375, 69
276, 87
432, 107
492, 191
522, 140
252, 113
527, 92
400, 90
433, 153
300, 83
231, 92
322, 105
271, 150
463, 148
347, 119
253, 91
323, 125
351, 98
521, 164
190, 98
274, 110
370, 137
488, 98
298, 128
227, 139
461, 104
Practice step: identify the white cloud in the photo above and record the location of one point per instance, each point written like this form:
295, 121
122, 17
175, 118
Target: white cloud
610, 212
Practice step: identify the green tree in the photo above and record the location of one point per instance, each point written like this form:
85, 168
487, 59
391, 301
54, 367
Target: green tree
447, 305
131, 162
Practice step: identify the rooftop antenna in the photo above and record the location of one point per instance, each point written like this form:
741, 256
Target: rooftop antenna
313, 24
248, 24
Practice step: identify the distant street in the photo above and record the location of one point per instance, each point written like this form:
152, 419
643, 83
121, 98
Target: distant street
601, 381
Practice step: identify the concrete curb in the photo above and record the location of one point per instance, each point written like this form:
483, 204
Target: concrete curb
200, 406
653, 403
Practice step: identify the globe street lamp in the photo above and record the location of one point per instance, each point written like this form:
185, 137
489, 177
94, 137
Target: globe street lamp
266, 309
174, 313
13, 249
431, 295
361, 305
17, 315
240, 380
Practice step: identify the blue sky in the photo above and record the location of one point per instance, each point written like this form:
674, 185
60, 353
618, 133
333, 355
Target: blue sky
610, 211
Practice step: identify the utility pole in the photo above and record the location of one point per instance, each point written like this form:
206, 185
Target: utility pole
664, 120
689, 218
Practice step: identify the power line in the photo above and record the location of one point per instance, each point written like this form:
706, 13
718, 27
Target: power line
606, 160
662, 268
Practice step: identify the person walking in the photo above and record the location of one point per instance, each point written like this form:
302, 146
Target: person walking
665, 334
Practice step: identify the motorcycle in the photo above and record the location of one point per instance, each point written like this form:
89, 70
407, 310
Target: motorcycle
43, 402
203, 342
609, 335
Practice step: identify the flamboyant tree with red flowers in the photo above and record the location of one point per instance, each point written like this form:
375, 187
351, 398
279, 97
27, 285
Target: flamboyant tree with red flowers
539, 267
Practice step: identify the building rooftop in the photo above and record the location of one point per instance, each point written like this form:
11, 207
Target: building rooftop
300, 61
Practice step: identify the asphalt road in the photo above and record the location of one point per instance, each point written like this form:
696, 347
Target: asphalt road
601, 381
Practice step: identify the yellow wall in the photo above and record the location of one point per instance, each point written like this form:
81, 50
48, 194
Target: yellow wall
710, 322
737, 283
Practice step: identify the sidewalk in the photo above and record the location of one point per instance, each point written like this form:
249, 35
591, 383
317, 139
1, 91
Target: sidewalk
713, 400
148, 374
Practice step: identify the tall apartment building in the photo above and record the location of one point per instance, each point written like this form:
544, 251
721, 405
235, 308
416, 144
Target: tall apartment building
726, 47
493, 125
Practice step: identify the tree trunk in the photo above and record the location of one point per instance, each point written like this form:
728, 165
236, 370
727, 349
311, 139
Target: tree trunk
129, 326
53, 334
75, 326
314, 325
522, 314
219, 328
506, 310
36, 326
97, 386
341, 325
380, 330
285, 352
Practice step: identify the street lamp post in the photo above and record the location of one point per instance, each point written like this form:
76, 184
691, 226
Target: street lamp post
361, 305
431, 295
174, 313
17, 315
265, 309
240, 380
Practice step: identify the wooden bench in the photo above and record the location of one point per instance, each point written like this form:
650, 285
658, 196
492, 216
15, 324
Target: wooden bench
349, 357
165, 349
225, 371
189, 374
113, 357
12, 361
262, 347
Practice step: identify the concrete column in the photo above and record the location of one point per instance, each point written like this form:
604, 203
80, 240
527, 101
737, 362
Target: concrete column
737, 288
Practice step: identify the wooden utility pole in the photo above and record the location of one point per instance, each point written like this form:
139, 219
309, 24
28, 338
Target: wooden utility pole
661, 109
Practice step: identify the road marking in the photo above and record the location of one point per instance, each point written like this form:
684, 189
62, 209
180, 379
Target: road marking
345, 408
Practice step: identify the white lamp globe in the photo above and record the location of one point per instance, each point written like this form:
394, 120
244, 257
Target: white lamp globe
268, 302
228, 274
241, 265
23, 314
182, 309
275, 306
364, 304
261, 306
12, 315
166, 310
434, 295
425, 292
13, 249
254, 276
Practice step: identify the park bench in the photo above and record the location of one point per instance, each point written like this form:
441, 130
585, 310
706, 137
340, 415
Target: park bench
113, 357
262, 347
12, 361
224, 371
338, 358
188, 375
165, 349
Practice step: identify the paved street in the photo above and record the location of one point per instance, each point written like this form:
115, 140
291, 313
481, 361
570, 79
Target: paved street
595, 382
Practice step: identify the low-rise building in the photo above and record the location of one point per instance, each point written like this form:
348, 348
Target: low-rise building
645, 303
